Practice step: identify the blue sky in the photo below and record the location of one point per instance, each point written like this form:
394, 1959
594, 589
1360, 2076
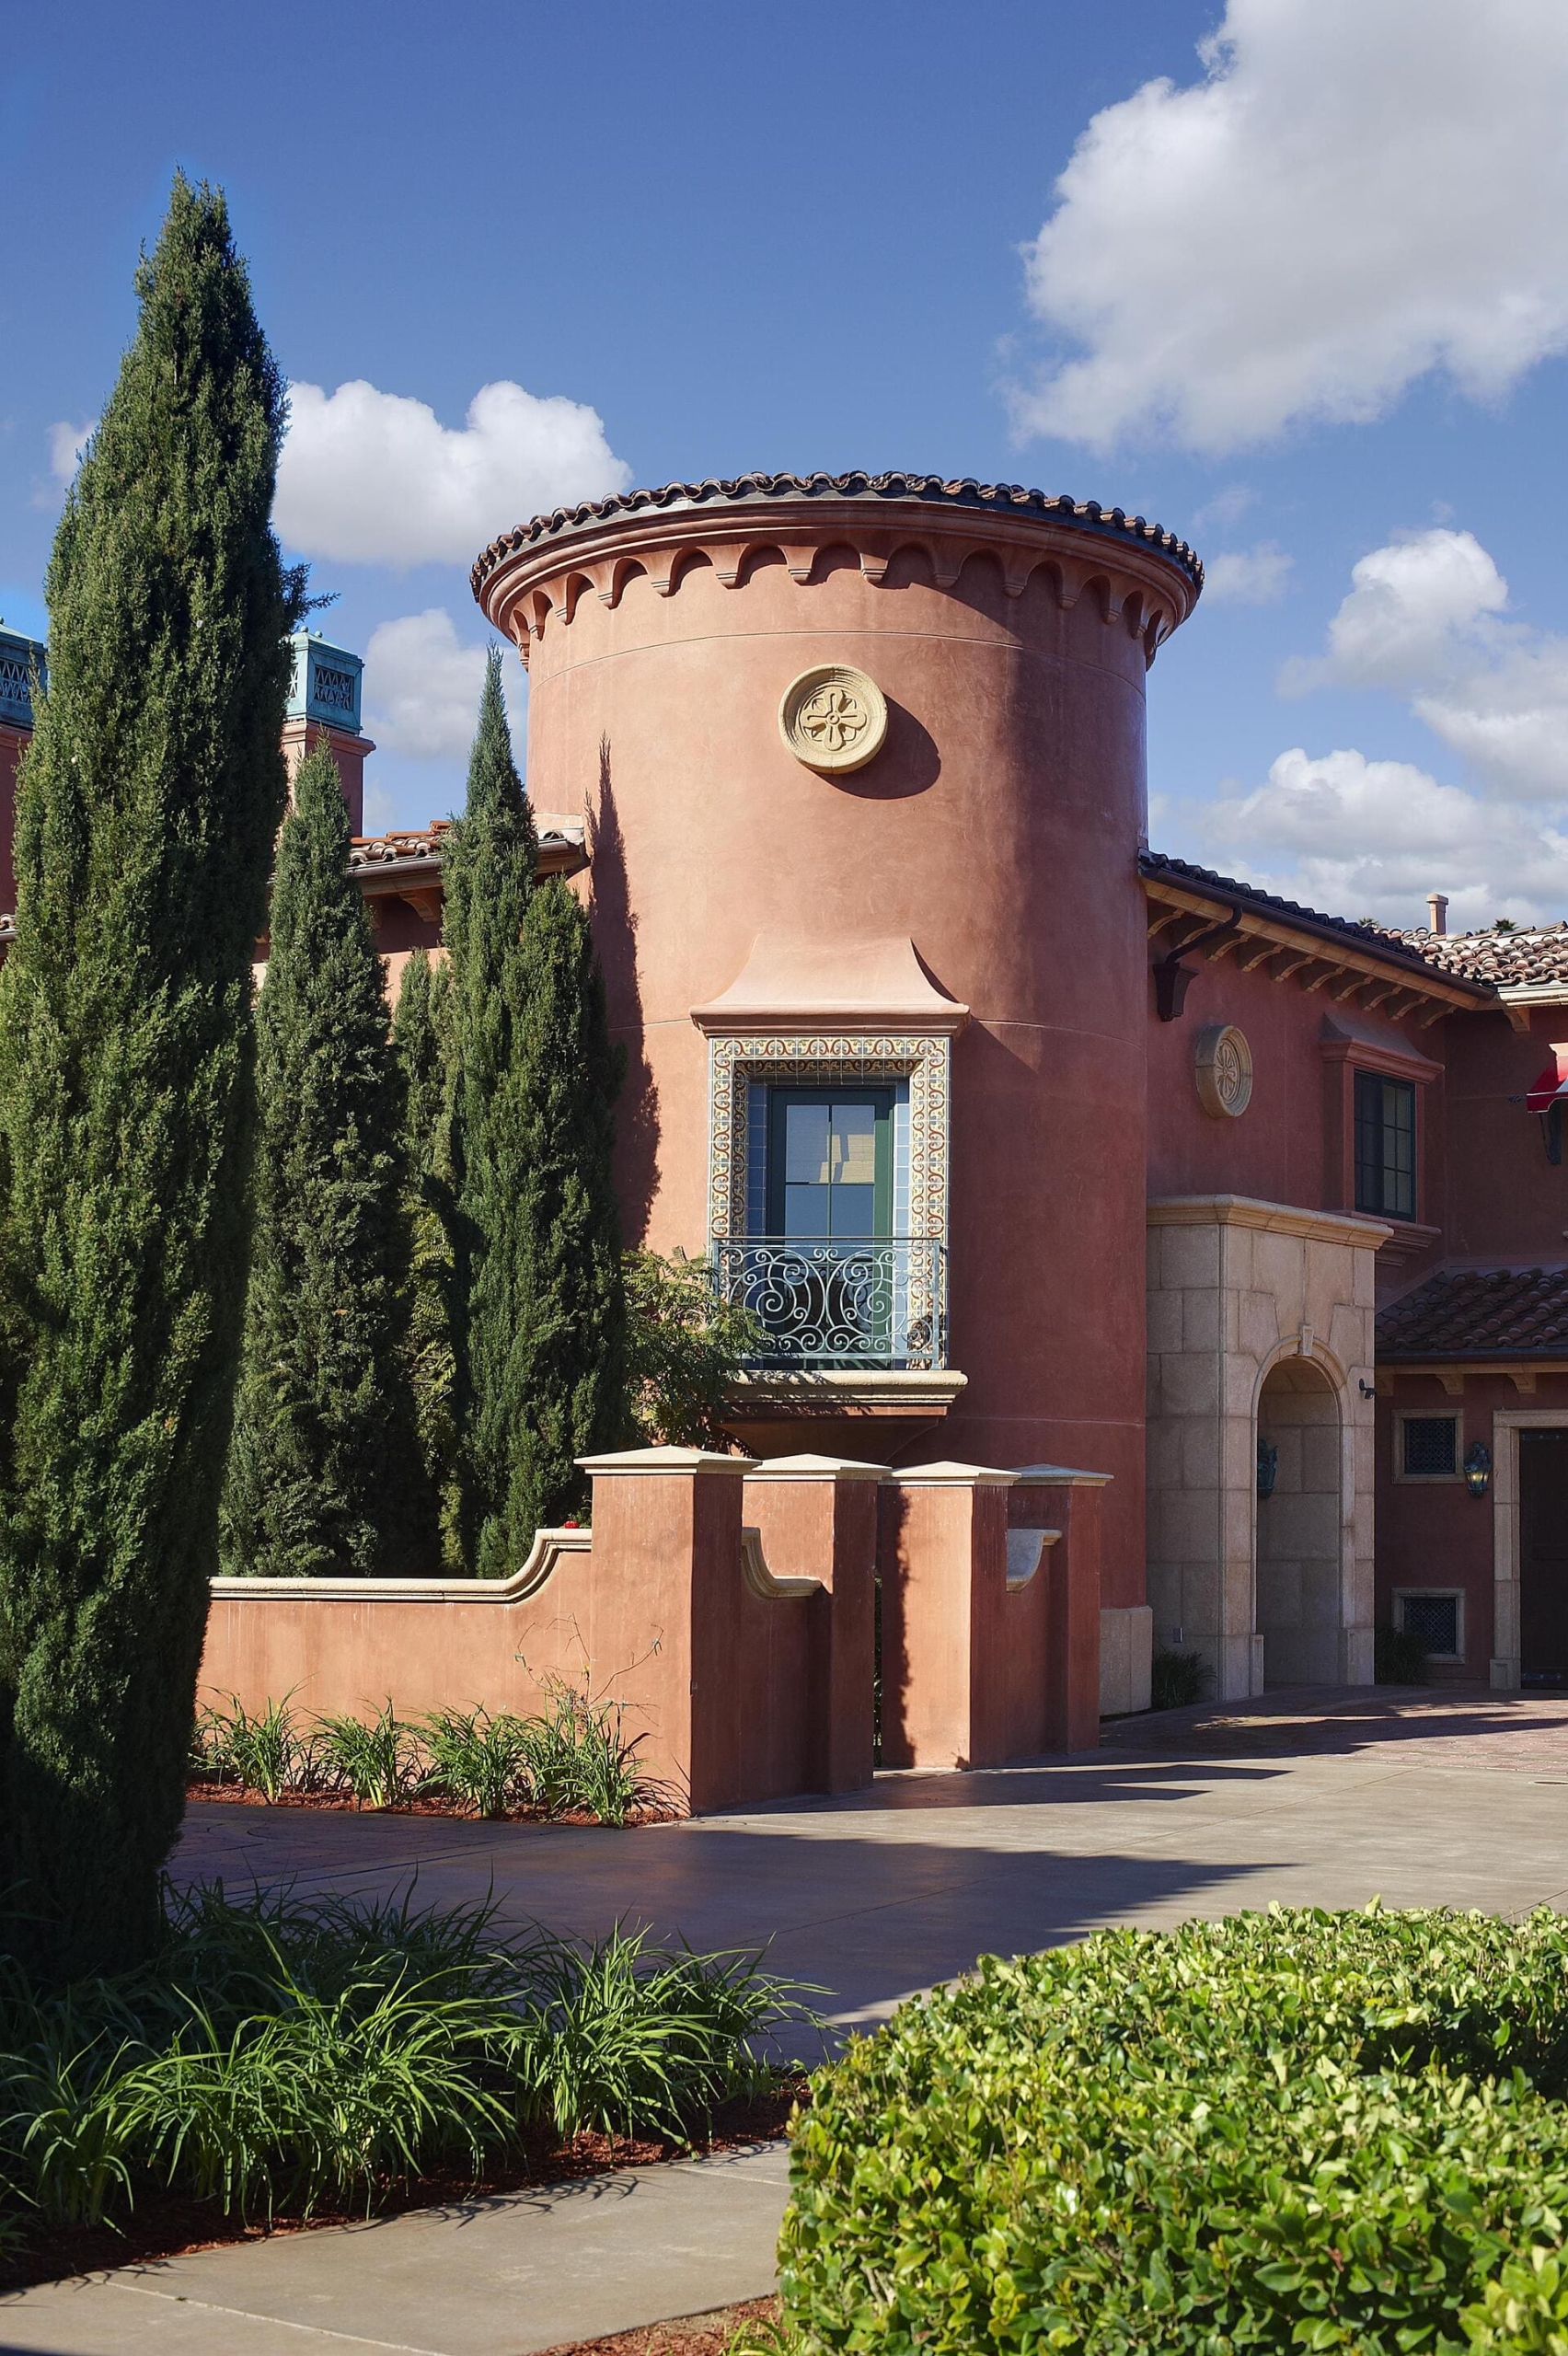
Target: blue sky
1303, 297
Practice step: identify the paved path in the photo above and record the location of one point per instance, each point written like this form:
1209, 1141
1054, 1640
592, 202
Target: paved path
1330, 1799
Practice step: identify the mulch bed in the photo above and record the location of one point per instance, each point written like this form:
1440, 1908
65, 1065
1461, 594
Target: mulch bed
708, 2335
424, 1803
171, 2224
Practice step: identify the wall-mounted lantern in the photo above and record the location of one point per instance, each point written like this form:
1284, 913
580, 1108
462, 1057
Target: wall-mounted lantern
1478, 1468
1268, 1466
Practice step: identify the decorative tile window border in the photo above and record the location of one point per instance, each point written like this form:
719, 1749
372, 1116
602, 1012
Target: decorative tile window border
811, 1058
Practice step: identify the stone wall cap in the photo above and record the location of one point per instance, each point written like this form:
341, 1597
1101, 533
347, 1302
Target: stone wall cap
946, 1474
544, 1556
1274, 1219
1064, 1476
820, 1467
639, 1460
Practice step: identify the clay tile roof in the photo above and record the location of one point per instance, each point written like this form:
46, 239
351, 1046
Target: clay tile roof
1492, 1312
377, 850
732, 490
1402, 948
1506, 960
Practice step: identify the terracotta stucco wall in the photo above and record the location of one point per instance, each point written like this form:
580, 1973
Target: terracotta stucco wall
998, 829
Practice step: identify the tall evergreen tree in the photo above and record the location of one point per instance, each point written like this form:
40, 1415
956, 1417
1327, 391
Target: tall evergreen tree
421, 1032
572, 1347
539, 1332
324, 1470
147, 807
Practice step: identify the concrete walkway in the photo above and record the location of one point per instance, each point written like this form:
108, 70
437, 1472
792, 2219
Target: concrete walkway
1327, 1798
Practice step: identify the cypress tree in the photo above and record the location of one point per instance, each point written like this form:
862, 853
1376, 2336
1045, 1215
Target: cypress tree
421, 1034
323, 1469
539, 1334
147, 807
571, 1302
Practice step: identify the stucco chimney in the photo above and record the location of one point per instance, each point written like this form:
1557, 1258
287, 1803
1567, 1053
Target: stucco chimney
1437, 911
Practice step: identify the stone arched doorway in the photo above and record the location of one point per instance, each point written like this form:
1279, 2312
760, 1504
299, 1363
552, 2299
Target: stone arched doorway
1300, 1601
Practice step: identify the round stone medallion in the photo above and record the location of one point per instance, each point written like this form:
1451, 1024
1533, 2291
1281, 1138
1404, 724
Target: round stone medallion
833, 717
1222, 1064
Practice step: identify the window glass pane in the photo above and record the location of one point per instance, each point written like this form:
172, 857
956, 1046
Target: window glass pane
854, 1145
1368, 1142
1430, 1444
805, 1210
806, 1144
854, 1210
1385, 1145
1399, 1147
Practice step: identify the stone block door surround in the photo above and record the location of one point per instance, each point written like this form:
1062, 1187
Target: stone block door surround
1240, 1290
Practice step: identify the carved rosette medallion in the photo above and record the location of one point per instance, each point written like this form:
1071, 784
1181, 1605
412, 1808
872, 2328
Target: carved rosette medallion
1222, 1066
833, 717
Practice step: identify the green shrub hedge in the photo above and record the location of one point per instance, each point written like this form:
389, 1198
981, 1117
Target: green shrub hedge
1285, 2130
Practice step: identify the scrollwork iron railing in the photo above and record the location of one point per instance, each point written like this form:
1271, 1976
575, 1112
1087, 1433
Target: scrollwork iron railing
879, 1301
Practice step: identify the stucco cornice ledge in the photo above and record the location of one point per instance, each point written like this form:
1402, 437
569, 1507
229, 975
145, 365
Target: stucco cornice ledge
790, 984
1273, 1218
835, 1391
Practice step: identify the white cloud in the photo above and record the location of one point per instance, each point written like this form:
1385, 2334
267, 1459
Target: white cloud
1356, 192
1225, 509
66, 443
1255, 576
422, 688
1398, 624
1365, 837
1425, 618
374, 477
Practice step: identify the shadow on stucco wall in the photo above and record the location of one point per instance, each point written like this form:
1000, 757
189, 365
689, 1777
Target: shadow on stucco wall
908, 763
615, 937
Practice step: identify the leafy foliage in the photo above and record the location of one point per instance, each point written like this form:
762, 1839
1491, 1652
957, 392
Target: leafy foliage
1177, 1680
1296, 2130
323, 1470
685, 1351
277, 2055
1399, 1656
147, 806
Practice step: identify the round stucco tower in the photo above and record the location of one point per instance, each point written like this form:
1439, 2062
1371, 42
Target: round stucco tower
916, 873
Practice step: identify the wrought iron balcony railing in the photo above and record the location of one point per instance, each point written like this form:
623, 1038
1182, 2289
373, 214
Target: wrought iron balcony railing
879, 1301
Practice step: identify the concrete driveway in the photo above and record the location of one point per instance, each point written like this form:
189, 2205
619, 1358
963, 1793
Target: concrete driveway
1324, 1797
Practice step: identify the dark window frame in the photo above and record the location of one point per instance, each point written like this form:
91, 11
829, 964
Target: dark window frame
1385, 1128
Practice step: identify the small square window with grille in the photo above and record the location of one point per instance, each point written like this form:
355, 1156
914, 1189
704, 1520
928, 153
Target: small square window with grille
1431, 1443
1434, 1620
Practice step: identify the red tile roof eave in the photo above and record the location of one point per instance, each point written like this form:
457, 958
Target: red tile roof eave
894, 492
1157, 867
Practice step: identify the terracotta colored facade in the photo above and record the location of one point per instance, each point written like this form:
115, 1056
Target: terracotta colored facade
1173, 1182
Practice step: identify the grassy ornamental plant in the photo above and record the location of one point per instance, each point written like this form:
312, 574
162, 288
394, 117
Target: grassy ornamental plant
148, 803
275, 2057
1295, 2131
324, 1475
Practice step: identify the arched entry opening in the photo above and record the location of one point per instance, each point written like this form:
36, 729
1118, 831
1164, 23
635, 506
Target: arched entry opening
1299, 1585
